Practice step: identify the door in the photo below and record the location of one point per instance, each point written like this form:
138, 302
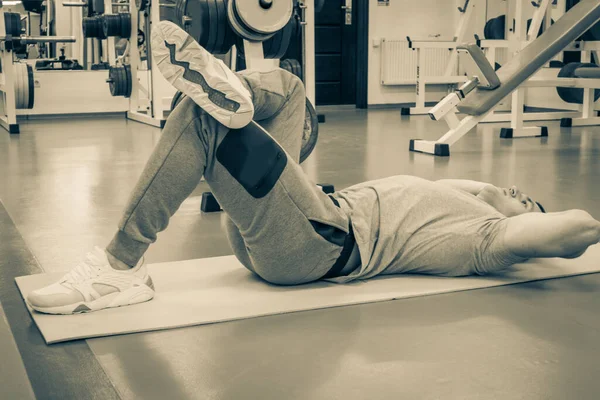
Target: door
335, 52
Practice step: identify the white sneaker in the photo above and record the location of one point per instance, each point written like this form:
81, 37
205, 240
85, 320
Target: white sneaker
201, 76
93, 285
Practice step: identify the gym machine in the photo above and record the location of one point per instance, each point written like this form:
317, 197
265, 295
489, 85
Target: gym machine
488, 89
16, 78
497, 29
451, 76
511, 38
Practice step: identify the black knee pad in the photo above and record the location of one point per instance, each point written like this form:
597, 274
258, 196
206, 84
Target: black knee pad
253, 158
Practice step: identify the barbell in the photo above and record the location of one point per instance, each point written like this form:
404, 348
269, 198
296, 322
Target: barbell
15, 42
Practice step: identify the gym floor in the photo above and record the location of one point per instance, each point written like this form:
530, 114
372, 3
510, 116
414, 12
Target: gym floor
64, 183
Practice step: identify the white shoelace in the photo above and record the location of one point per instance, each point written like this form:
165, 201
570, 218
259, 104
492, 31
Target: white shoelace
89, 268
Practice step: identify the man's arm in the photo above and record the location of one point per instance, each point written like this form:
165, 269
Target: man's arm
472, 187
565, 234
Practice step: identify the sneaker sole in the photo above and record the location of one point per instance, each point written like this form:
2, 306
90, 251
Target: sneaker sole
134, 295
199, 75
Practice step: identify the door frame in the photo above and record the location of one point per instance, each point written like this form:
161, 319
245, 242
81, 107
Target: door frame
362, 53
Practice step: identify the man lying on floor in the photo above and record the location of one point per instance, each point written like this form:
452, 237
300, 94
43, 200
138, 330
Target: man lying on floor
281, 225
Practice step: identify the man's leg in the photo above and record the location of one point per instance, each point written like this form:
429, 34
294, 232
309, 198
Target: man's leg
292, 231
279, 106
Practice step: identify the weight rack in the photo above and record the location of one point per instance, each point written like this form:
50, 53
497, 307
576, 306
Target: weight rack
8, 109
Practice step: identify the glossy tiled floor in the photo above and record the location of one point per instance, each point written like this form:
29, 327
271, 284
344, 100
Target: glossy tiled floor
65, 182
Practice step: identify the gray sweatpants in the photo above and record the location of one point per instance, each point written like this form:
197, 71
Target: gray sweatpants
273, 236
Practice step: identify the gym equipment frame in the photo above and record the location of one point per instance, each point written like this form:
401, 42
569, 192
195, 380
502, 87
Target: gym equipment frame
515, 75
8, 109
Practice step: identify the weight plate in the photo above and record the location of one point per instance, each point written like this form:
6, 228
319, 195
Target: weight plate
285, 64
9, 23
18, 87
181, 12
110, 25
487, 29
125, 25
112, 80
24, 86
263, 20
176, 100
221, 27
574, 95
97, 28
179, 6
24, 89
212, 29
296, 67
100, 27
118, 81
281, 41
230, 36
269, 46
311, 131
241, 29
30, 87
115, 80
123, 72
19, 25
199, 24
498, 29
129, 84
85, 26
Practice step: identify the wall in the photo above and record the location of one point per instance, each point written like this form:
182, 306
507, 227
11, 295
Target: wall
400, 19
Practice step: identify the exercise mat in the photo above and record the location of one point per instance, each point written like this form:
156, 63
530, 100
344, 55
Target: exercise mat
212, 290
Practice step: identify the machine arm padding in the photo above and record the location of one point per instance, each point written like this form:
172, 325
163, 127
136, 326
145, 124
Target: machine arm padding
489, 78
533, 57
587, 72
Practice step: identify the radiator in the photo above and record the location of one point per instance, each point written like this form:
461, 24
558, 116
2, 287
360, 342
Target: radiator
399, 63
